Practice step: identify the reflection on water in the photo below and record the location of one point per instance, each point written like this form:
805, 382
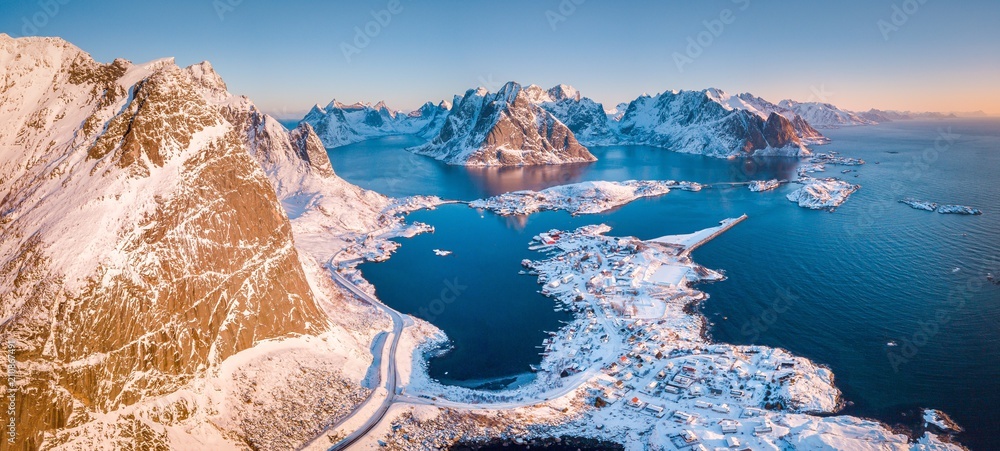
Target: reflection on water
493, 181
385, 166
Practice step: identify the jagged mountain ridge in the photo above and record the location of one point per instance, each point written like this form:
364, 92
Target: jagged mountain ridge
716, 124
698, 122
703, 129
506, 128
145, 244
825, 115
584, 117
338, 124
764, 108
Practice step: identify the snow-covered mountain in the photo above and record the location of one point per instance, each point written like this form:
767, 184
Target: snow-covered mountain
585, 117
615, 114
506, 128
881, 116
148, 270
337, 124
707, 122
825, 115
764, 108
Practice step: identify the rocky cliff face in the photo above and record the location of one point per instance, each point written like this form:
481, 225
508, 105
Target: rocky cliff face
698, 122
805, 132
503, 129
584, 117
143, 244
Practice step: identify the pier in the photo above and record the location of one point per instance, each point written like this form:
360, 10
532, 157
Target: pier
695, 240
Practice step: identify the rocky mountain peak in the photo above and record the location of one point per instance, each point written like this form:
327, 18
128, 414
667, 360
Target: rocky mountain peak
134, 210
503, 128
564, 92
204, 76
508, 93
311, 149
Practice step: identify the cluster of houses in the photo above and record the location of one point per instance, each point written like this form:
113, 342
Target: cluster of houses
656, 367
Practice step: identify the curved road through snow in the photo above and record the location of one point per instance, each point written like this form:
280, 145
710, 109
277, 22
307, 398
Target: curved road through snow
390, 380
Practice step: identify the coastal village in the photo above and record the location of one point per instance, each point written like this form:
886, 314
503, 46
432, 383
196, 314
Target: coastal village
637, 325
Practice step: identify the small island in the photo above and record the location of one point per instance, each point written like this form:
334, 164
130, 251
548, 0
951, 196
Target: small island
943, 209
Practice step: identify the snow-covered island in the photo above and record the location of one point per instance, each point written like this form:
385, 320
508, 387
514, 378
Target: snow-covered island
919, 204
579, 198
822, 194
959, 210
758, 186
943, 209
836, 159
634, 366
818, 162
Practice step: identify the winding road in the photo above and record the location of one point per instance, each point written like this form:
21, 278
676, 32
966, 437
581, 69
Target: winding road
390, 380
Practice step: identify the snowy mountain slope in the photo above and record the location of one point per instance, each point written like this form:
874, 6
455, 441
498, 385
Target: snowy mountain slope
338, 124
146, 244
763, 108
703, 122
825, 115
586, 118
615, 114
505, 128
881, 116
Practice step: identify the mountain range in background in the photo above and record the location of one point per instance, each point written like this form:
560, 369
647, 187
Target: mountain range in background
528, 125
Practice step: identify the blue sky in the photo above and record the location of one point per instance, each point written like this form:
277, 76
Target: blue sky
287, 56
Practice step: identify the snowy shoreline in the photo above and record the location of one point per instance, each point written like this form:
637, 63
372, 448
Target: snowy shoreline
579, 198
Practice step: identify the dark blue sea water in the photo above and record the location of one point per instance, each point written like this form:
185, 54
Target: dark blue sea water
834, 287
